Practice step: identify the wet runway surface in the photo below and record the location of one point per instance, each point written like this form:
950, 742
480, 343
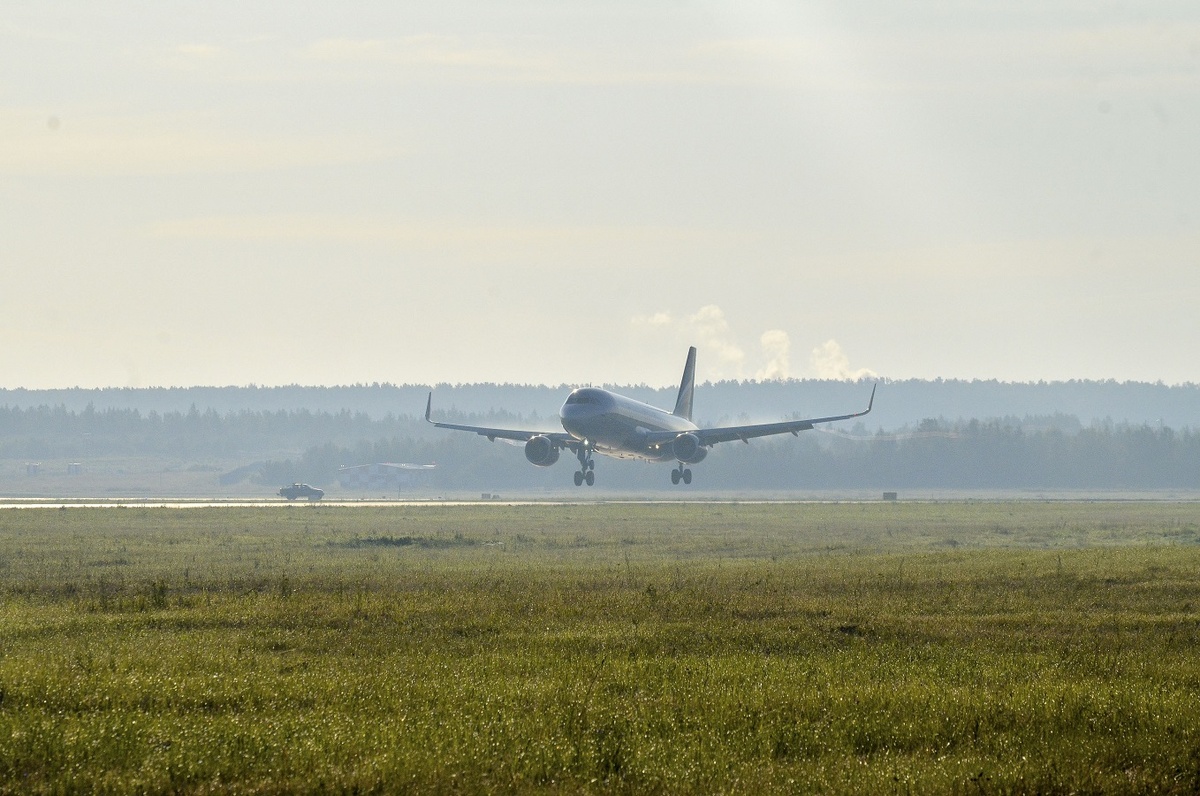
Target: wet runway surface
173, 503
177, 503
564, 500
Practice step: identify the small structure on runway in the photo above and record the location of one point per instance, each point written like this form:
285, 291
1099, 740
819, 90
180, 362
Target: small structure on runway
382, 475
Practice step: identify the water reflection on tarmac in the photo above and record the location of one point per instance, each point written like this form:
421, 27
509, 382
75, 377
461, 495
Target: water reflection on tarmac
851, 497
178, 503
173, 503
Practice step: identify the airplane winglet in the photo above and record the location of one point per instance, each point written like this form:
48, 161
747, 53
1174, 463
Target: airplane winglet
429, 406
870, 403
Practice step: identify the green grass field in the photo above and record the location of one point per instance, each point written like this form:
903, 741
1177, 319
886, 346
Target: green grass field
888, 648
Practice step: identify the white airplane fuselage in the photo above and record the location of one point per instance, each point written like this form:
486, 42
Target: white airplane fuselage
599, 421
616, 425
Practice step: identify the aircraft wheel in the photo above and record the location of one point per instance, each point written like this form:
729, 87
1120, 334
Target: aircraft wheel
687, 476
578, 477
674, 476
590, 478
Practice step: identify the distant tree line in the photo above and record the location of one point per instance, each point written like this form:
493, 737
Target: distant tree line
899, 403
55, 432
972, 455
1053, 451
997, 454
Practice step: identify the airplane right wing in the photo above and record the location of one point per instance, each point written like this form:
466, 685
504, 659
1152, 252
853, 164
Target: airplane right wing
561, 439
711, 436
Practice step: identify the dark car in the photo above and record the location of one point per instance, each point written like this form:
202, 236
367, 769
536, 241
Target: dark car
301, 491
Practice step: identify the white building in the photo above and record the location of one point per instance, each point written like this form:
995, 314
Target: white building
382, 476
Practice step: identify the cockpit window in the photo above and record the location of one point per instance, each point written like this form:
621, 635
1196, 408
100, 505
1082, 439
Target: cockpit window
582, 397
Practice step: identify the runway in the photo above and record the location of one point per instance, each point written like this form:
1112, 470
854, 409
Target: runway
727, 499
174, 503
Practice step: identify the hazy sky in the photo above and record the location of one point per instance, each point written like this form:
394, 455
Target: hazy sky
328, 193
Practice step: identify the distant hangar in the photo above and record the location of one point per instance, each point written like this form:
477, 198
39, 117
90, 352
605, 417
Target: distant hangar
383, 475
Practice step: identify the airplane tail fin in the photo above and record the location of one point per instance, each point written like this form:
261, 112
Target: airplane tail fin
687, 386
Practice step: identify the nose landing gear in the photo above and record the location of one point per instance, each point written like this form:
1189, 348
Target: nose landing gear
681, 473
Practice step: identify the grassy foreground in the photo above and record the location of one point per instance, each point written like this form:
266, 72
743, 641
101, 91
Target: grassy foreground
888, 648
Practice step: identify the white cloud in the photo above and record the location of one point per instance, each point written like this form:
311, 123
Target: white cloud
721, 355
711, 332
829, 361
659, 319
776, 345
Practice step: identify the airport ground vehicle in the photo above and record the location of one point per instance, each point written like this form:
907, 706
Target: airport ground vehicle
301, 491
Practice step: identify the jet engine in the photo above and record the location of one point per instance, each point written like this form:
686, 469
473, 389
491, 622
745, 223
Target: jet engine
687, 448
541, 451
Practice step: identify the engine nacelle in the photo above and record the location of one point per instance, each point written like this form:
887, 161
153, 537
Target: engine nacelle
687, 449
541, 451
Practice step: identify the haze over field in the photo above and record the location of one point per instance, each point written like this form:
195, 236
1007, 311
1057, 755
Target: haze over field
237, 193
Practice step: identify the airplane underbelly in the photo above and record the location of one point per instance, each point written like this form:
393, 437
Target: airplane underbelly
619, 435
629, 444
635, 452
609, 436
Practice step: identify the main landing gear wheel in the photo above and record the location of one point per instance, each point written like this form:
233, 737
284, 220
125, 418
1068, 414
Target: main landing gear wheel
681, 474
585, 473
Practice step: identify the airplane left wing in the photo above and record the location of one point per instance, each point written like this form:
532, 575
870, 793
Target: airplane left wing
561, 439
711, 436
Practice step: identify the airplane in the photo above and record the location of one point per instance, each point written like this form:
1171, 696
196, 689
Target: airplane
600, 421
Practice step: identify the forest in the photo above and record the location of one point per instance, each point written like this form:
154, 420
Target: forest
974, 455
1056, 451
